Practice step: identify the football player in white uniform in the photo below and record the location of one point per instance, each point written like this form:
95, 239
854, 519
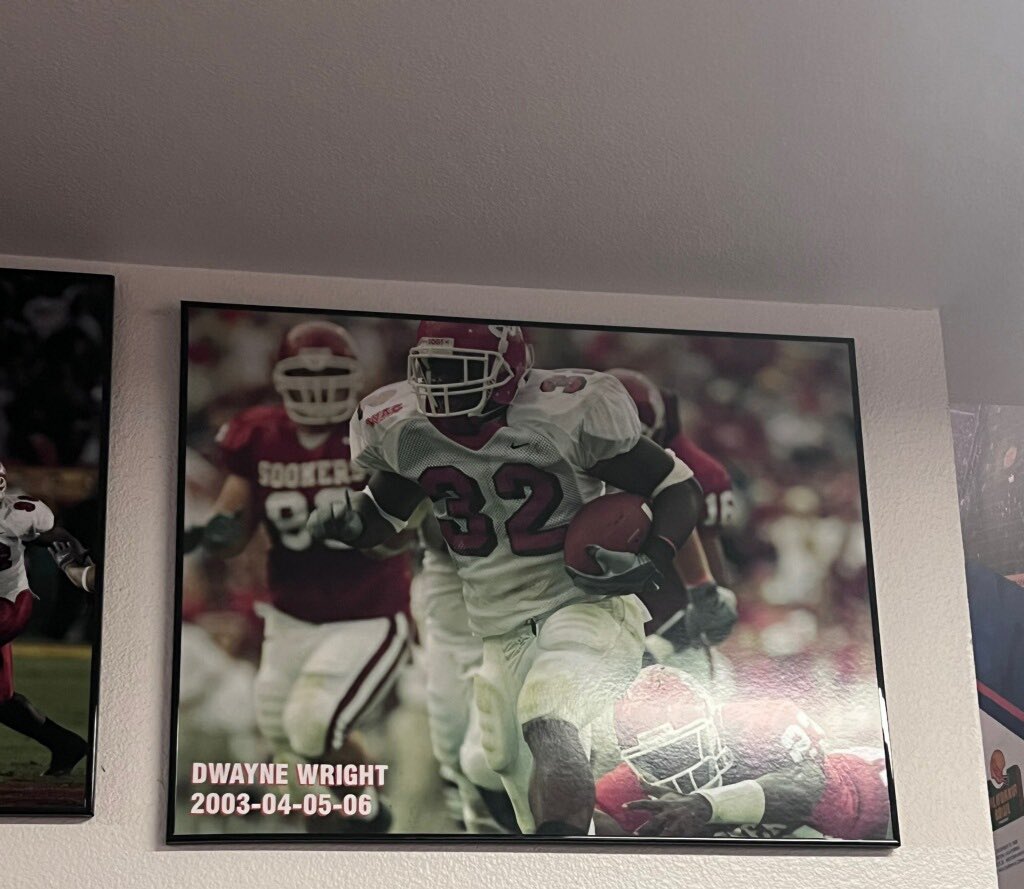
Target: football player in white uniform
25, 521
508, 455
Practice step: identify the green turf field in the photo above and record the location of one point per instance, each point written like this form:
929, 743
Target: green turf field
56, 679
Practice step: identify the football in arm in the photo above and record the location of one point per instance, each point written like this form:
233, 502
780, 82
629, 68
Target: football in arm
619, 522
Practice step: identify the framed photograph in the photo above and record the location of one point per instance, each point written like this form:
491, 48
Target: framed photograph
54, 405
988, 443
509, 582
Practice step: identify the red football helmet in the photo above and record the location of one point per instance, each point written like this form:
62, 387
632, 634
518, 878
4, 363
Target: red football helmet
647, 398
668, 731
317, 374
458, 370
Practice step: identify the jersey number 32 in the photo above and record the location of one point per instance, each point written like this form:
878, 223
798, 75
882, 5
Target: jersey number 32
469, 532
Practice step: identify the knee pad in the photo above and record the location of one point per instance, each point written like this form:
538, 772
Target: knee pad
307, 719
449, 701
494, 704
270, 701
472, 760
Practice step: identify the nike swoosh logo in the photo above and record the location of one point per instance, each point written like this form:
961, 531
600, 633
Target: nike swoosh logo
521, 444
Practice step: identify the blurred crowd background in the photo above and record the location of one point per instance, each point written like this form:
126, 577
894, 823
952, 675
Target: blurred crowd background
778, 413
55, 331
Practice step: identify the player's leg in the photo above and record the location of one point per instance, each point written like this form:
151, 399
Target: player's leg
287, 643
352, 668
499, 747
486, 806
66, 747
587, 654
451, 656
216, 703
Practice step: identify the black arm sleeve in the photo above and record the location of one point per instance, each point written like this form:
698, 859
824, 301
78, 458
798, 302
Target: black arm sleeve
47, 538
395, 495
676, 508
790, 795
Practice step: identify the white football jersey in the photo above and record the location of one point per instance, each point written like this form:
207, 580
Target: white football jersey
504, 504
22, 520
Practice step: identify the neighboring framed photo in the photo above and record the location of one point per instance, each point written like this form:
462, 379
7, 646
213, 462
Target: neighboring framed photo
988, 443
504, 581
54, 408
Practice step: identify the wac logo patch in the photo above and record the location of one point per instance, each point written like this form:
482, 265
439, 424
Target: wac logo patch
383, 415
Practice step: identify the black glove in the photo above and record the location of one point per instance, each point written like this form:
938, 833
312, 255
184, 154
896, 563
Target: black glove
192, 538
708, 618
68, 551
711, 614
623, 574
336, 521
223, 532
670, 817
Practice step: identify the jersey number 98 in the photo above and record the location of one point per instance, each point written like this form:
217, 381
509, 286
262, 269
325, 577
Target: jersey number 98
287, 511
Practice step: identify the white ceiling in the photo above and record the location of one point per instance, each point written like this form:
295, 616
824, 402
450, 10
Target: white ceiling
864, 152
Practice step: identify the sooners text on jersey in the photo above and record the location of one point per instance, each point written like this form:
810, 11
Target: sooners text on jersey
314, 582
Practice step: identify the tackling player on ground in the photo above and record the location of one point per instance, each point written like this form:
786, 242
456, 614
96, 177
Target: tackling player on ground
508, 455
24, 522
336, 630
748, 768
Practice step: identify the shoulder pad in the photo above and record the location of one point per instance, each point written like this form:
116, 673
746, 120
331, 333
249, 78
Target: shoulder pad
569, 386
387, 406
29, 517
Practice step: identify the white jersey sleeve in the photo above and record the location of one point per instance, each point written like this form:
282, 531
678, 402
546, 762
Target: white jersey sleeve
32, 518
22, 520
608, 425
375, 428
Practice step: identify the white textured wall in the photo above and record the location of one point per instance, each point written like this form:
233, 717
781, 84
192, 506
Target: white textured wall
922, 605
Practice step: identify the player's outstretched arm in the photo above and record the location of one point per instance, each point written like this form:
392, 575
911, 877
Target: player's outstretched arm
711, 544
233, 523
710, 613
787, 796
71, 557
369, 517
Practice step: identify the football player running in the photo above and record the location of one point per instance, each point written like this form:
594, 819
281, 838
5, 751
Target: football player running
24, 522
336, 629
508, 454
710, 614
757, 768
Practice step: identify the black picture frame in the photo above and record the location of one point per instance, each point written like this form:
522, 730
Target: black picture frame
511, 842
92, 295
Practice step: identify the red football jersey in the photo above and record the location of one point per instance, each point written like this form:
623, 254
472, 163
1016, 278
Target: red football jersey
616, 788
855, 802
315, 582
719, 504
770, 736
